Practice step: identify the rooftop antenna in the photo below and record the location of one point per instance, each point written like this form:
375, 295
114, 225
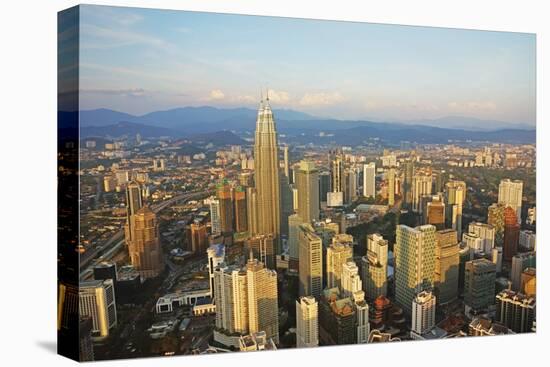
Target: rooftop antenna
267, 93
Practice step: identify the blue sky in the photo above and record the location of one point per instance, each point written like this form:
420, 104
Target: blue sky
141, 60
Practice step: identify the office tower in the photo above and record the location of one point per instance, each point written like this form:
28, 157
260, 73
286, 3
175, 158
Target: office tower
350, 185
520, 262
216, 256
287, 203
408, 173
486, 233
241, 217
495, 217
423, 313
262, 247
252, 210
144, 248
531, 216
391, 186
511, 234
199, 237
421, 185
479, 284
85, 343
473, 241
97, 301
529, 282
294, 197
439, 182
324, 186
351, 281
510, 194
263, 309
266, 161
361, 316
134, 202
515, 310
310, 261
215, 217
246, 179
225, 198
446, 266
106, 270
231, 297
455, 195
286, 169
337, 318
307, 322
435, 214
335, 196
414, 263
338, 254
496, 257
109, 183
527, 240
307, 183
294, 222
369, 180
374, 267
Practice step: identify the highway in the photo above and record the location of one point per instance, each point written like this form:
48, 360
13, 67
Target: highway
113, 245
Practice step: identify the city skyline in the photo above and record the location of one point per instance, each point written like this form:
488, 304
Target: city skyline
143, 60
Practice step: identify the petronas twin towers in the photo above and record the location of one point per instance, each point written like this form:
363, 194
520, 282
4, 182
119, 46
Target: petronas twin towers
266, 163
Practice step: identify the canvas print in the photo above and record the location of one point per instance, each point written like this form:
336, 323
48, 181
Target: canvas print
233, 183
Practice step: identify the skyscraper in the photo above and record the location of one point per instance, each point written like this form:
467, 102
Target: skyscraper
225, 198
262, 247
510, 194
369, 180
351, 281
199, 238
252, 210
310, 262
335, 196
511, 234
266, 162
423, 313
479, 284
515, 310
286, 169
455, 195
216, 256
307, 322
215, 217
421, 185
294, 222
446, 266
307, 183
144, 248
337, 255
520, 262
486, 233
407, 183
435, 214
263, 309
241, 217
134, 202
495, 217
231, 297
391, 186
97, 301
414, 263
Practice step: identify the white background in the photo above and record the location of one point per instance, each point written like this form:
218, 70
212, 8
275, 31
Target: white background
28, 179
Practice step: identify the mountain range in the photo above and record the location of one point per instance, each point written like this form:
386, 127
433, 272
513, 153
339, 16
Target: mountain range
193, 121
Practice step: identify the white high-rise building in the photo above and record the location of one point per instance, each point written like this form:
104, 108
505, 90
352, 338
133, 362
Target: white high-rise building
473, 241
369, 180
215, 217
231, 298
97, 300
423, 313
487, 234
510, 194
455, 195
377, 244
216, 256
351, 281
307, 322
362, 316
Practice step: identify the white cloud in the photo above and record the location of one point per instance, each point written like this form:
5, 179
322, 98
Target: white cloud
278, 96
216, 94
131, 92
473, 106
320, 99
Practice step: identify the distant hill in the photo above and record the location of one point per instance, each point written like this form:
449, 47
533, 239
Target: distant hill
469, 123
194, 121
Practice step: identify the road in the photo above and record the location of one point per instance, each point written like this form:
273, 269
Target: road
113, 245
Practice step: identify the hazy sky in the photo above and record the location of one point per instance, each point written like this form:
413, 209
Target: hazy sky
139, 60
